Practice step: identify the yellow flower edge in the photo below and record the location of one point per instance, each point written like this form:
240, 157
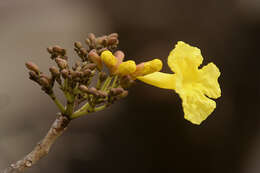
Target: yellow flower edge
195, 86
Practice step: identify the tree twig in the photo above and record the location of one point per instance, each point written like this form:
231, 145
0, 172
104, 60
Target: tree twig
42, 148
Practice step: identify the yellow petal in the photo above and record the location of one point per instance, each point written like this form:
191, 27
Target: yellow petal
108, 58
126, 68
209, 79
184, 58
196, 106
159, 79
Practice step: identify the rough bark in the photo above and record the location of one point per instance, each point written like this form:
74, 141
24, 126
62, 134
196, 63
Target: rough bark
42, 148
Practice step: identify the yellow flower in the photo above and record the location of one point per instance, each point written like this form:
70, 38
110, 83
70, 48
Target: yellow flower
195, 86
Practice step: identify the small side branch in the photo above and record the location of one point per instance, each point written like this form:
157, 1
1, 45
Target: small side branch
42, 148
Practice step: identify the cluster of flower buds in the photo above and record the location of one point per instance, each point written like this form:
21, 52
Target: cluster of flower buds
100, 78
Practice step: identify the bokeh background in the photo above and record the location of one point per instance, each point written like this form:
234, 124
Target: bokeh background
145, 132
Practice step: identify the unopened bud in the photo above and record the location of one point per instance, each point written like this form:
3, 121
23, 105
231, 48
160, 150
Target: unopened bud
91, 37
54, 71
50, 50
83, 51
33, 67
61, 63
44, 81
83, 88
78, 45
76, 74
126, 68
33, 76
88, 42
95, 58
102, 40
113, 35
112, 41
86, 72
116, 91
65, 73
57, 49
120, 56
109, 59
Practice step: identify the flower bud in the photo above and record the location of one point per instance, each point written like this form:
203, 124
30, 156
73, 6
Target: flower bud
112, 41
33, 67
113, 35
91, 37
33, 76
86, 72
108, 59
78, 45
120, 56
44, 81
126, 68
57, 49
54, 71
95, 58
83, 51
61, 63
116, 91
50, 50
83, 88
65, 73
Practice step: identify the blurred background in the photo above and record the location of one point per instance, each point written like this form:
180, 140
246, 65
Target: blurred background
145, 132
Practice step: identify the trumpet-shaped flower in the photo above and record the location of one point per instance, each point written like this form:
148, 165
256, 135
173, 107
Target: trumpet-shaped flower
195, 86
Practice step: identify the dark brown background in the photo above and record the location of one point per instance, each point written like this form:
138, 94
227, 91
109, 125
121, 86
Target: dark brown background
146, 132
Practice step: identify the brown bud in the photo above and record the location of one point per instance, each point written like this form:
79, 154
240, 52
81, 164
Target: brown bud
65, 73
83, 51
95, 58
61, 63
120, 56
91, 37
33, 67
50, 50
76, 74
112, 41
113, 35
78, 45
116, 91
102, 40
54, 71
57, 49
83, 88
33, 76
86, 72
88, 42
44, 81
